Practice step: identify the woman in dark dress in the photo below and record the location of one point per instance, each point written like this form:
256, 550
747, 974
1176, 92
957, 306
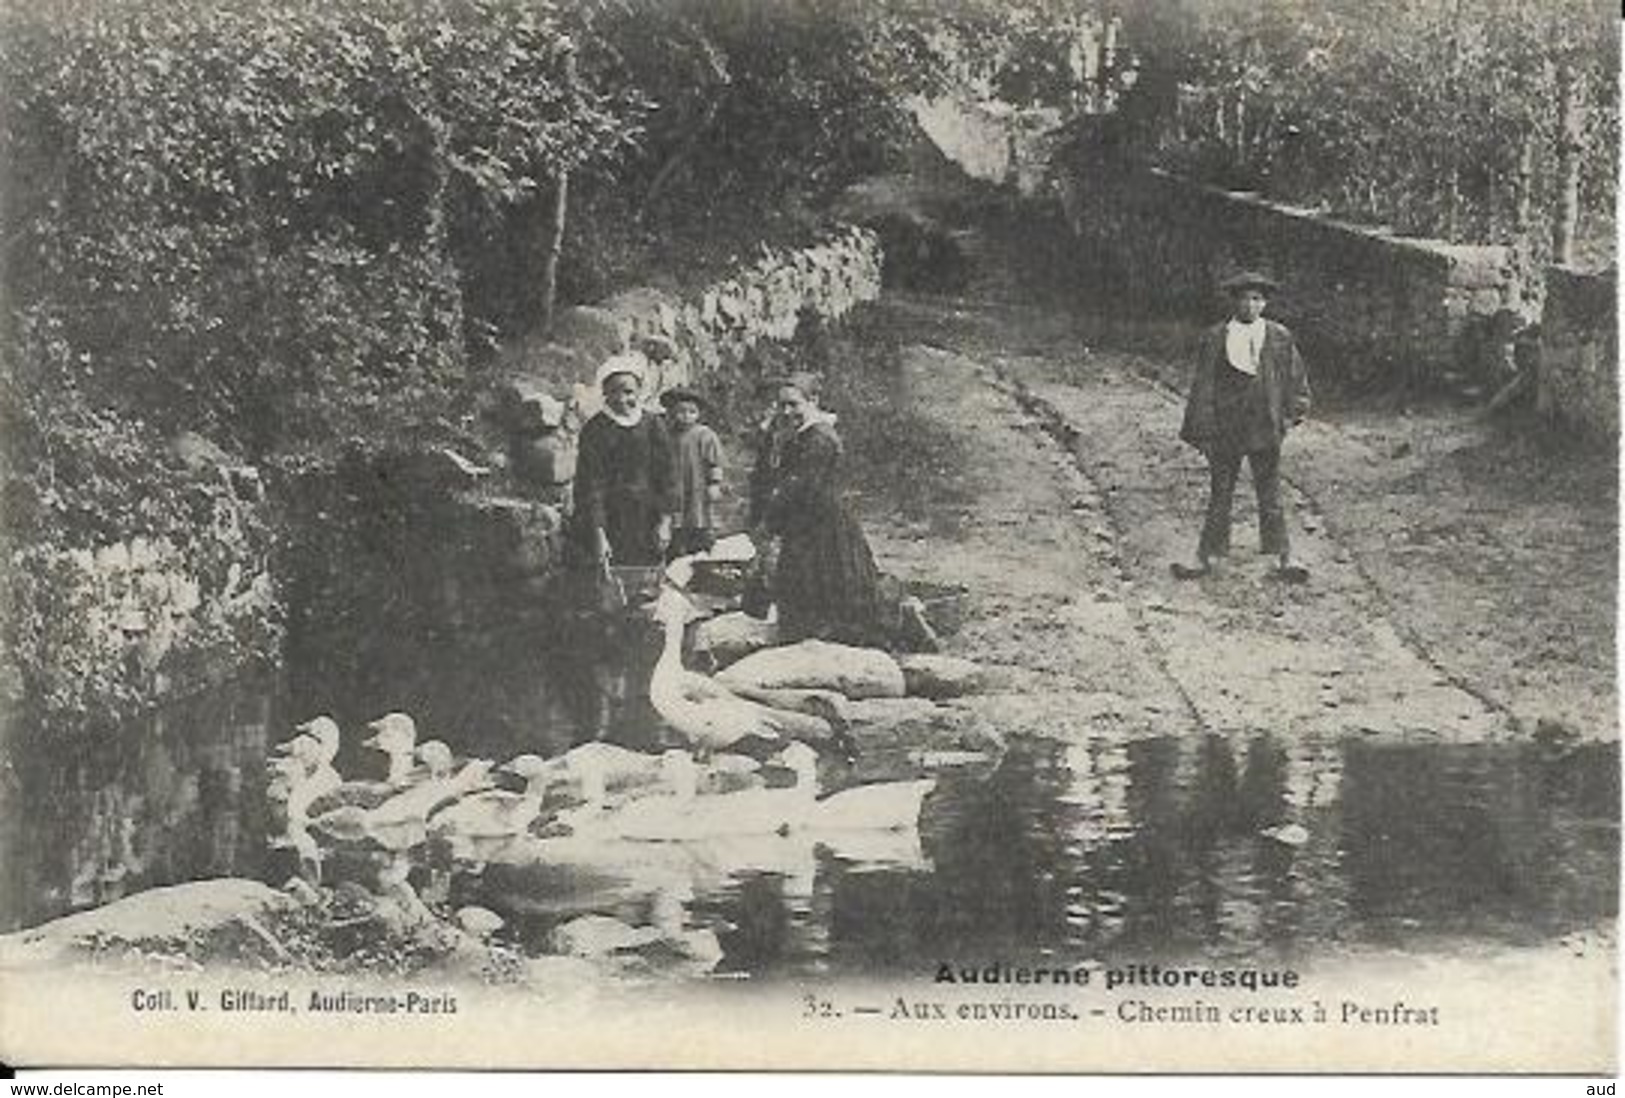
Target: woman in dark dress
624, 487
826, 584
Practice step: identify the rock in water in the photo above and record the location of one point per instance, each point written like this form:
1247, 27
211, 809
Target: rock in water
479, 921
812, 702
599, 935
729, 638
901, 724
932, 676
888, 712
819, 665
1287, 834
557, 976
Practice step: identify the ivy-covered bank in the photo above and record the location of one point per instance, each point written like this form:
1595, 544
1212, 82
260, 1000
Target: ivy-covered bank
103, 626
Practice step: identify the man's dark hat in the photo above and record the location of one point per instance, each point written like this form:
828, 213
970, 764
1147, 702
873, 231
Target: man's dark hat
680, 394
1248, 280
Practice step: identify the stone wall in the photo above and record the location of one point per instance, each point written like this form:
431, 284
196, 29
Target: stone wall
1364, 302
709, 332
1579, 350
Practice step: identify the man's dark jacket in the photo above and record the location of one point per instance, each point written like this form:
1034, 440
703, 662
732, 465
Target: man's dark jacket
1280, 369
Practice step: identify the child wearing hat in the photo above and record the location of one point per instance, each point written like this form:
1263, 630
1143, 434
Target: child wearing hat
1249, 388
697, 466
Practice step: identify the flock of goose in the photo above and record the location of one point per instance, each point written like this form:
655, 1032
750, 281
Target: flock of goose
596, 804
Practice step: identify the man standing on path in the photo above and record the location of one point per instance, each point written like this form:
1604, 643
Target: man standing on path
1249, 389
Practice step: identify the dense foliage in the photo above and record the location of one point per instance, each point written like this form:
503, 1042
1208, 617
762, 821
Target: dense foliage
1438, 117
281, 224
246, 220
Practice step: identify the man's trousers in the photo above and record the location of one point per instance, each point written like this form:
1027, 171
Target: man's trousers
1223, 469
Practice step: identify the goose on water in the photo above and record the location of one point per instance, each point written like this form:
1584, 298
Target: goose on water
316, 746
394, 736
686, 816
315, 736
599, 775
884, 806
613, 768
495, 813
435, 759
287, 790
402, 820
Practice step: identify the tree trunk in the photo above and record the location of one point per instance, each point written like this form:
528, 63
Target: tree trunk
1452, 202
1570, 140
1452, 183
1243, 161
1524, 186
554, 245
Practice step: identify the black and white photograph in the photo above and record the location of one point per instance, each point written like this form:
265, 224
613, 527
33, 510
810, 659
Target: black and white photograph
1037, 536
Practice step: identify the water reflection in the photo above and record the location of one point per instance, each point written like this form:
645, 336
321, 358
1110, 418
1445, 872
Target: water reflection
1495, 838
1150, 847
1483, 840
1154, 848
540, 689
90, 818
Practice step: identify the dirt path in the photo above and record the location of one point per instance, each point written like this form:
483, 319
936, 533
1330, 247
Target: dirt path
1047, 477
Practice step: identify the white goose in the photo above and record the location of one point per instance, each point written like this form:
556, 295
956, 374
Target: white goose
494, 814
609, 767
316, 746
600, 775
402, 821
308, 741
684, 817
710, 716
435, 759
289, 776
880, 806
395, 735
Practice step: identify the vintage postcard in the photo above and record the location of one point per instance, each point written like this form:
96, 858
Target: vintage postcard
997, 536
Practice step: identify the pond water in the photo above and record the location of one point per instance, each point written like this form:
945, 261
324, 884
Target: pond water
1148, 847
86, 819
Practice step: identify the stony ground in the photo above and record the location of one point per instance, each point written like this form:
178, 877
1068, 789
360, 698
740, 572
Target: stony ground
1463, 574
